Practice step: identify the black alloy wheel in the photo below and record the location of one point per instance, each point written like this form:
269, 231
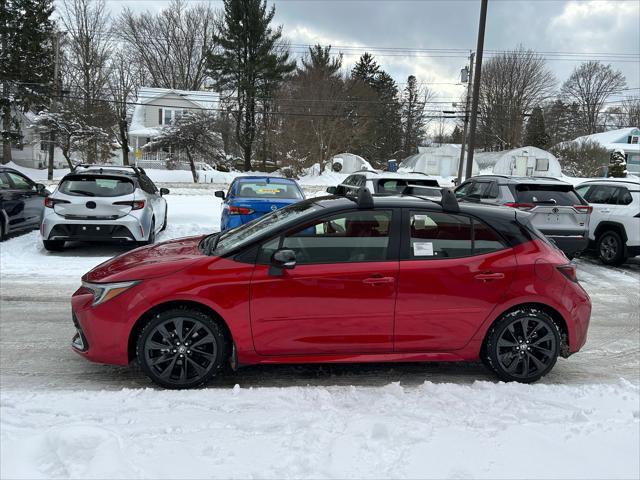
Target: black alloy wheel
611, 248
181, 348
523, 346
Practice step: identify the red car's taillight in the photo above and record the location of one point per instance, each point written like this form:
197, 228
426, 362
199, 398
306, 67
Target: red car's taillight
51, 202
583, 208
135, 205
570, 271
233, 210
521, 206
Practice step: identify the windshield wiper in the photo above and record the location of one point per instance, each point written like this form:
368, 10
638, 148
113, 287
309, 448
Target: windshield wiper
209, 243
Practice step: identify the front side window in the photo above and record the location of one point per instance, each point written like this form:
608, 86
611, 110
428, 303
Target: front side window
360, 236
4, 182
20, 182
436, 235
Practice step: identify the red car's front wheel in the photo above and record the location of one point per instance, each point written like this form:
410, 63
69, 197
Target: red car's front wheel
181, 348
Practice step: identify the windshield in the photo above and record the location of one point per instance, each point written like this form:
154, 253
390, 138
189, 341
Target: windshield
268, 189
96, 186
265, 225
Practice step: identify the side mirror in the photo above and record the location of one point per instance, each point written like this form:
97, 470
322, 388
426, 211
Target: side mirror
164, 191
282, 259
332, 190
220, 194
40, 188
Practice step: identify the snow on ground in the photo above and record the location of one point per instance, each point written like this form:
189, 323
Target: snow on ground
193, 214
483, 430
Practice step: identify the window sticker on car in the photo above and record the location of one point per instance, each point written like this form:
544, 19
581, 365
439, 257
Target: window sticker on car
423, 249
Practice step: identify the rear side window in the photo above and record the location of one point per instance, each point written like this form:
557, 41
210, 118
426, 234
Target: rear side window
547, 194
608, 195
96, 186
397, 185
436, 235
263, 189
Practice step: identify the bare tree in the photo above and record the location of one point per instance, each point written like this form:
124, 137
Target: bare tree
590, 85
173, 44
414, 120
512, 84
88, 48
631, 111
125, 79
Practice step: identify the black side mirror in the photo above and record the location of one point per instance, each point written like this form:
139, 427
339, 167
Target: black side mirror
40, 188
220, 194
282, 259
164, 191
332, 190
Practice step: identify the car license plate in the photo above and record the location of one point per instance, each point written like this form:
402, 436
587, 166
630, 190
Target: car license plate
553, 218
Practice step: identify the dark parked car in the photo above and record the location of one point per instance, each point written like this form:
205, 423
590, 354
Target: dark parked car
21, 202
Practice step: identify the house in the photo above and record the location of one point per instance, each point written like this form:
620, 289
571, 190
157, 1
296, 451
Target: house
157, 107
625, 139
439, 160
522, 162
32, 149
347, 163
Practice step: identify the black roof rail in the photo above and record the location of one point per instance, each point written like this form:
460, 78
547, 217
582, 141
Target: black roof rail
135, 168
364, 170
546, 178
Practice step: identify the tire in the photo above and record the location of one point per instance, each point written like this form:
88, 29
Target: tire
611, 248
180, 365
2, 233
164, 224
53, 245
152, 235
516, 356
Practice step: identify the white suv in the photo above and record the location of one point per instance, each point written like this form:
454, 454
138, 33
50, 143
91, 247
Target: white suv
390, 183
614, 229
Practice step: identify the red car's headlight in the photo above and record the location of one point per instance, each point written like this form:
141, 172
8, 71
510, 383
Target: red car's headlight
103, 292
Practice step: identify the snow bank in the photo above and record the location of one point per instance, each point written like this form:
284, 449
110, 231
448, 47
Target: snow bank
483, 430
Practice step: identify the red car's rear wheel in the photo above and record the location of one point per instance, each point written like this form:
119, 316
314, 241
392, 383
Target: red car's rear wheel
523, 345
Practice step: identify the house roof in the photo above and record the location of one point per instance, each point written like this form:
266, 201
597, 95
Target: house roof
614, 139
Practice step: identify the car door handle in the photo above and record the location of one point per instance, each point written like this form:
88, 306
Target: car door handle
488, 277
378, 280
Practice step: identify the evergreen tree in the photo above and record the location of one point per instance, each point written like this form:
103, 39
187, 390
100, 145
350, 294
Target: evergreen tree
26, 62
250, 60
617, 165
413, 119
456, 135
536, 134
366, 69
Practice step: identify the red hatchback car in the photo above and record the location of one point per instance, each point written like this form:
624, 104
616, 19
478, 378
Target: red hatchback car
338, 279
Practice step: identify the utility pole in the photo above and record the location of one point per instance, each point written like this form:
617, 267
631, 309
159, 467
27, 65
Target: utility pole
6, 98
476, 87
466, 118
54, 101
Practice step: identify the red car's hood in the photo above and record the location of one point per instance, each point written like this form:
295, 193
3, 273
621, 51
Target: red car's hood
148, 262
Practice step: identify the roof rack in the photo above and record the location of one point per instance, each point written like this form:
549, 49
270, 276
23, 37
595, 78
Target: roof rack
365, 170
449, 202
546, 178
136, 169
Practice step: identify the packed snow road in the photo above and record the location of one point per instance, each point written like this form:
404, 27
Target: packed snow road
61, 416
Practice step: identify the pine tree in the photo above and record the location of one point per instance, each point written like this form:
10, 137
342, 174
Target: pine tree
456, 135
250, 61
413, 120
536, 134
366, 69
26, 62
617, 165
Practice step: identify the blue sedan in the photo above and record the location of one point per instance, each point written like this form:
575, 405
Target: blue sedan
251, 197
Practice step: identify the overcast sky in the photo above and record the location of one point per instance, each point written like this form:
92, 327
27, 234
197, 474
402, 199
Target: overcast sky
593, 29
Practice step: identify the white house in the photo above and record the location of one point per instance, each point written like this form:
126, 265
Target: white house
32, 150
441, 160
347, 163
625, 139
157, 107
521, 162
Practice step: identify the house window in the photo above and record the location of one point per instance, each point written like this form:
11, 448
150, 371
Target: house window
542, 164
166, 116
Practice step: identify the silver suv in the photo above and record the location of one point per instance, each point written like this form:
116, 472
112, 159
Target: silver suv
557, 209
104, 203
391, 183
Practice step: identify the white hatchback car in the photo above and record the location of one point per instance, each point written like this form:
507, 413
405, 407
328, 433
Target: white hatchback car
391, 183
104, 203
614, 229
